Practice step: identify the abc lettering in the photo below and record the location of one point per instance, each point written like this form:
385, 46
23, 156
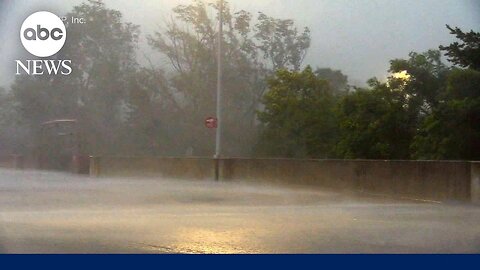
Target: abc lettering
42, 33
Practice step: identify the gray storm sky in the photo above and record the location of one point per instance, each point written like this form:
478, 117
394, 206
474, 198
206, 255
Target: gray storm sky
358, 37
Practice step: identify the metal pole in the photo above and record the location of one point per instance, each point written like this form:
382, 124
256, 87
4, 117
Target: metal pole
219, 92
219, 82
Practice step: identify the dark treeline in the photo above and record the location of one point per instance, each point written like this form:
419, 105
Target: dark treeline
425, 110
272, 107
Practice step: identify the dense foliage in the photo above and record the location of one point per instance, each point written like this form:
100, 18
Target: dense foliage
431, 112
273, 106
298, 116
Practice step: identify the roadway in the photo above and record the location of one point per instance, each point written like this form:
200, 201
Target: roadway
49, 212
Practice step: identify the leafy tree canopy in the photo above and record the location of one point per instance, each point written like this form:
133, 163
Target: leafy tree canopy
467, 53
298, 116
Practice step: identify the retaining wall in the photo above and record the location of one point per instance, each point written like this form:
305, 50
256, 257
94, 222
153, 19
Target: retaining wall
16, 162
429, 180
192, 168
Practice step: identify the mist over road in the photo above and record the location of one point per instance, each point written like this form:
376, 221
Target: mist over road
46, 212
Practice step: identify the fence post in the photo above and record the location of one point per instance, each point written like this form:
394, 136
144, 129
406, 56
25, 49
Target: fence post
475, 181
94, 166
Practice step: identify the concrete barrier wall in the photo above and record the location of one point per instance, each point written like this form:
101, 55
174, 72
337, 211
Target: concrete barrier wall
16, 162
6, 162
19, 162
429, 180
475, 181
191, 168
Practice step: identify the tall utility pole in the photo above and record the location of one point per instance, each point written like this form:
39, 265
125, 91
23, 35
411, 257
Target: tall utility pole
218, 136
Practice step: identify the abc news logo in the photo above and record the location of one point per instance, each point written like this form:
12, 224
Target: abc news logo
43, 34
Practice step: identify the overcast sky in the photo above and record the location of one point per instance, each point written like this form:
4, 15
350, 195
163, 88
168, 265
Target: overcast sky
358, 37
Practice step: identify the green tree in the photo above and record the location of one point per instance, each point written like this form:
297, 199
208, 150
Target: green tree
5, 122
452, 131
375, 123
103, 53
380, 122
252, 50
147, 129
337, 80
298, 119
427, 82
103, 58
15, 137
467, 53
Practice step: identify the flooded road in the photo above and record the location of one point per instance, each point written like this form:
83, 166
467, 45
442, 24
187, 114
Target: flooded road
45, 212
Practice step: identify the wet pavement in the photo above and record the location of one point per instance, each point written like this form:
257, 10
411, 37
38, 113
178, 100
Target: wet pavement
47, 212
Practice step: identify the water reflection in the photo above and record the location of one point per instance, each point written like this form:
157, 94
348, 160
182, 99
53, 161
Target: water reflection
200, 240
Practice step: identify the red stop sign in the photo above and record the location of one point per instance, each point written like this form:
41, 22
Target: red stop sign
211, 122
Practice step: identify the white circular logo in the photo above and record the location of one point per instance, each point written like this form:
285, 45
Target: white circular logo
43, 34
